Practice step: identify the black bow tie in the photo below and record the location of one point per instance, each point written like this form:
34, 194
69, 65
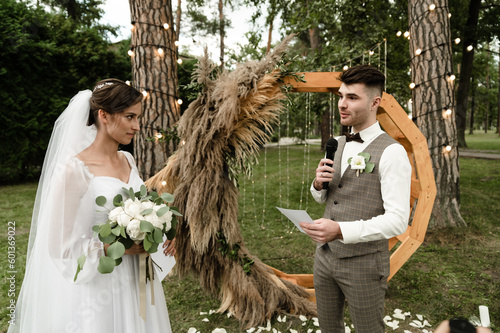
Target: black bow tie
353, 137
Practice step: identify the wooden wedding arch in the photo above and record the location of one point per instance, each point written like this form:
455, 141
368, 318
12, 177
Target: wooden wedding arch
396, 123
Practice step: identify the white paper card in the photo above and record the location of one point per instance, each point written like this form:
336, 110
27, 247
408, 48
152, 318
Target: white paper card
165, 262
296, 216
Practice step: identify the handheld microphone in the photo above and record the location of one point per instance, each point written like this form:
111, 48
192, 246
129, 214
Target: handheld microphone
331, 148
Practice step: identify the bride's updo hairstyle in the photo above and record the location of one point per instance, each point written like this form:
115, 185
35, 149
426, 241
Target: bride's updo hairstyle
112, 96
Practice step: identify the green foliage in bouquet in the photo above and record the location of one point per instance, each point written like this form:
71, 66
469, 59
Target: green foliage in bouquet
142, 218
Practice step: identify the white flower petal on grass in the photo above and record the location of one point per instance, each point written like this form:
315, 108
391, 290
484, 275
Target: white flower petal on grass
212, 311
406, 331
250, 330
219, 330
203, 313
426, 331
229, 314
420, 317
303, 318
279, 319
315, 321
347, 329
416, 323
205, 320
398, 314
387, 319
426, 323
309, 330
293, 331
192, 330
268, 327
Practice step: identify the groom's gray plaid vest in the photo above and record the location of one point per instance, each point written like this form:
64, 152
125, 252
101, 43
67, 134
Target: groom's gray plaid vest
352, 198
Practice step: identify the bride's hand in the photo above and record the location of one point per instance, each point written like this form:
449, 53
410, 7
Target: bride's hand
135, 249
169, 247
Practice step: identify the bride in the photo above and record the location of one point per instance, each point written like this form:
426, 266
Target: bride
81, 163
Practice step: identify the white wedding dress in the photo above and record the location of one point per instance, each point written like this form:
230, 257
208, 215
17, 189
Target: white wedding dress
50, 301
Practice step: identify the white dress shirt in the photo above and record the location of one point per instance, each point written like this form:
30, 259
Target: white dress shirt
395, 180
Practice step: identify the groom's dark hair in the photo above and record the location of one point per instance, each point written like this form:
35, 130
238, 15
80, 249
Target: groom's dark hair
366, 74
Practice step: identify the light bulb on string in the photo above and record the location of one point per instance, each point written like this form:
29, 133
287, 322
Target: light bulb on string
159, 135
145, 93
127, 83
179, 101
166, 26
176, 43
179, 61
470, 48
447, 148
446, 113
132, 27
163, 183
457, 40
372, 52
449, 15
406, 34
418, 51
432, 7
160, 51
412, 85
399, 33
345, 67
130, 52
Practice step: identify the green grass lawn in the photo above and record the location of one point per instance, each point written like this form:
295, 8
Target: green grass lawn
483, 141
450, 275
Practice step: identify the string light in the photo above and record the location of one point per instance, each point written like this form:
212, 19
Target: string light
451, 77
446, 113
145, 93
130, 52
470, 48
372, 52
179, 101
127, 83
345, 67
160, 51
179, 61
176, 43
399, 33
159, 135
447, 148
166, 26
406, 34
412, 85
457, 40
432, 7
418, 52
163, 183
449, 15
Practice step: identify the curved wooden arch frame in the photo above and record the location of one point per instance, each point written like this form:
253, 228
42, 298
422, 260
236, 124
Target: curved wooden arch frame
396, 123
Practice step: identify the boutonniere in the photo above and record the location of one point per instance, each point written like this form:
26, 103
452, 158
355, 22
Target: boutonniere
360, 163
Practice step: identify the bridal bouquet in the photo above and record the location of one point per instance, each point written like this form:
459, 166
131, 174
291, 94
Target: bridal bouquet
142, 218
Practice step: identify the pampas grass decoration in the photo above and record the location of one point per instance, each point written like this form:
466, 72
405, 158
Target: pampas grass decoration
230, 119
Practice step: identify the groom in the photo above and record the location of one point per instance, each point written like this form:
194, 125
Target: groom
363, 210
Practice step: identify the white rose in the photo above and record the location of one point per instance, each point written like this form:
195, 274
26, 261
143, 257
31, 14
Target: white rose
154, 220
148, 204
167, 219
358, 163
113, 215
123, 219
133, 207
134, 231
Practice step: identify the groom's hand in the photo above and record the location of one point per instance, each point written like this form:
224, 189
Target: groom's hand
322, 230
169, 247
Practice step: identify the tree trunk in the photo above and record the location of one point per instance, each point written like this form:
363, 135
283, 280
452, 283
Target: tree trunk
156, 73
487, 112
498, 96
221, 27
433, 94
270, 36
178, 20
469, 39
472, 105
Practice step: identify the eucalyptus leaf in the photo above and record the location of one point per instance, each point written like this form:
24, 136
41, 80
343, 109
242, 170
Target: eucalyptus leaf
171, 233
79, 267
118, 261
127, 242
158, 235
369, 167
100, 201
96, 228
131, 193
162, 211
106, 265
349, 160
147, 244
105, 230
144, 191
108, 240
147, 211
175, 212
115, 231
116, 250
118, 200
123, 232
366, 156
146, 226
153, 248
167, 197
